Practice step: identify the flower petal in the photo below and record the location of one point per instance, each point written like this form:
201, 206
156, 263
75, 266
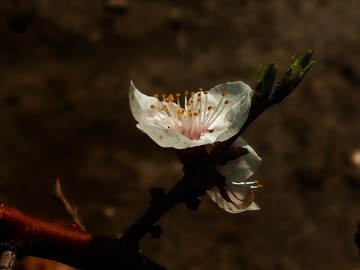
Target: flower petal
227, 120
140, 104
237, 206
239, 95
241, 169
168, 137
235, 172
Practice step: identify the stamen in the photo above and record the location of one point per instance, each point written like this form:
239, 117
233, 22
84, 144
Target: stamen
194, 117
178, 95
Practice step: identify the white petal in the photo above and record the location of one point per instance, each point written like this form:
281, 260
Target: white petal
236, 207
239, 95
140, 104
241, 169
168, 137
236, 171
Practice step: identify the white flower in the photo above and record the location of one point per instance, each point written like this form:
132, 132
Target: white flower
202, 118
237, 194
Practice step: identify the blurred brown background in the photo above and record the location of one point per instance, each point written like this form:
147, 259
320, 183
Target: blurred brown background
65, 68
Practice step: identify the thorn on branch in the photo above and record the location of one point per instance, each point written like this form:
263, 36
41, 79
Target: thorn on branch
72, 211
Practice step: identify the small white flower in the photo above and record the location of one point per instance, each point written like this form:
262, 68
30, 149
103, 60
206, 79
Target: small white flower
237, 194
202, 118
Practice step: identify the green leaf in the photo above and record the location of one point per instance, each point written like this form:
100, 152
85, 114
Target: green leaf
265, 84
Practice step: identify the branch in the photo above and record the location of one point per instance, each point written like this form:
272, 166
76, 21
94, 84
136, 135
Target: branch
26, 235
30, 236
160, 206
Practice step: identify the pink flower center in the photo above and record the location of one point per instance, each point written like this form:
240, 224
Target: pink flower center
195, 117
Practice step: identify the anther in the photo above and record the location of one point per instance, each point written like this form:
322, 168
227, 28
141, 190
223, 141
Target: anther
227, 102
224, 94
153, 107
171, 98
258, 184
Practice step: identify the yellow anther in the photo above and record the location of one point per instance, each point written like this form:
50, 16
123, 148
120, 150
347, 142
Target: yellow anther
153, 107
178, 95
199, 94
210, 108
200, 89
206, 92
171, 98
258, 184
227, 102
224, 94
186, 92
163, 96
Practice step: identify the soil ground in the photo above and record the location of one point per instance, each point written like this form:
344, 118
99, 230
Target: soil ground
65, 68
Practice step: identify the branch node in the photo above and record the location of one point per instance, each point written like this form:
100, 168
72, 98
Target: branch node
156, 231
193, 203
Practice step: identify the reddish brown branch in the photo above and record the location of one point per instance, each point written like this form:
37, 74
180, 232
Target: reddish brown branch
32, 236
